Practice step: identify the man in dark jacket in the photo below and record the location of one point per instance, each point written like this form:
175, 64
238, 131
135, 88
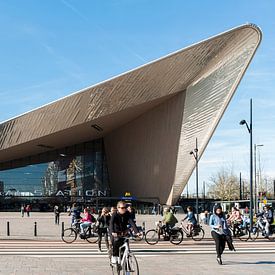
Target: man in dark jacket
267, 219
118, 228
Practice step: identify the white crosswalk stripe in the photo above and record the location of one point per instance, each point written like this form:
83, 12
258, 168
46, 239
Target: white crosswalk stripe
59, 249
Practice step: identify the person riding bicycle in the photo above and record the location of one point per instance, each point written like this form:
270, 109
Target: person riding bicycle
169, 219
86, 221
132, 215
235, 219
118, 229
75, 213
266, 219
191, 219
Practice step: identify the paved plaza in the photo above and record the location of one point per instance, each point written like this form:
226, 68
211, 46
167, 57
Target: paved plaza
34, 257
22, 253
23, 228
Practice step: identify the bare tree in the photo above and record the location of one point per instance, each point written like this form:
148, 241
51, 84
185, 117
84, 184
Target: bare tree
224, 185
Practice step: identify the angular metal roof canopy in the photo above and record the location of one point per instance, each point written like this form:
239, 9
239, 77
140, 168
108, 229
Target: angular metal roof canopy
203, 77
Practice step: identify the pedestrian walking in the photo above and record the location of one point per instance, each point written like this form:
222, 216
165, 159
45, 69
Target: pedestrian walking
56, 214
103, 223
220, 232
22, 210
28, 210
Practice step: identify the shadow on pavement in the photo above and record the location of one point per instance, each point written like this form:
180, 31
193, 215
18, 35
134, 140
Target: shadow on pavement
250, 263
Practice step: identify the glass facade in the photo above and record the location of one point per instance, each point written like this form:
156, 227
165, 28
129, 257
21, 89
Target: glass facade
76, 171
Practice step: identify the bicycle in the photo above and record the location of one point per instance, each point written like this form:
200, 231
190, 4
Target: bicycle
258, 228
242, 232
174, 235
69, 235
134, 236
127, 263
197, 233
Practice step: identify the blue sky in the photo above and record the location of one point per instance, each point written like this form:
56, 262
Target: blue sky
50, 49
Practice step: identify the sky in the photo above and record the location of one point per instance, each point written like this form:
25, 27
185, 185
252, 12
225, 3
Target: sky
50, 49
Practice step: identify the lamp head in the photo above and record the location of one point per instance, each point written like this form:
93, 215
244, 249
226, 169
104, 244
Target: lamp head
242, 122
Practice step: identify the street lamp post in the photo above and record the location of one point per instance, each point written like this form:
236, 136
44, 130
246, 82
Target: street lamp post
241, 195
255, 176
250, 130
195, 154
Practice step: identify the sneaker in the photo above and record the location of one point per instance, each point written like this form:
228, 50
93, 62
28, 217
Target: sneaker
219, 260
114, 260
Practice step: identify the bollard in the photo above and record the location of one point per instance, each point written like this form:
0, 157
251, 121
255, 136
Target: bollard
35, 229
143, 226
8, 228
62, 229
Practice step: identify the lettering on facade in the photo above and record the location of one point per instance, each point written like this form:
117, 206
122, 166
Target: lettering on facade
95, 193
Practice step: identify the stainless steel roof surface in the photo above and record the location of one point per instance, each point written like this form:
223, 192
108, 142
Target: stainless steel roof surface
207, 72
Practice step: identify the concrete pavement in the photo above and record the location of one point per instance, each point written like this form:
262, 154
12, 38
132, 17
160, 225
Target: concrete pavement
49, 257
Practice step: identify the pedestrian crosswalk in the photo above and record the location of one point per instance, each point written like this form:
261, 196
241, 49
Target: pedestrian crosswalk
141, 249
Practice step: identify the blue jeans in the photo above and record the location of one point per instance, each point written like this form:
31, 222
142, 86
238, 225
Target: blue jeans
84, 225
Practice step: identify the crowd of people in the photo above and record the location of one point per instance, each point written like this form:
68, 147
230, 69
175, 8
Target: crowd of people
112, 224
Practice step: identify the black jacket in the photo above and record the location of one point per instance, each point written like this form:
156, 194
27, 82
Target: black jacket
104, 221
119, 222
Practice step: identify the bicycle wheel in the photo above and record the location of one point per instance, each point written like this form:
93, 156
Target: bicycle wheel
90, 235
176, 237
152, 236
69, 235
243, 233
197, 234
254, 234
130, 266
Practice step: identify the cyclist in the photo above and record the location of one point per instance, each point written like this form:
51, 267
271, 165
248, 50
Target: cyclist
169, 219
191, 220
75, 213
266, 217
132, 213
235, 219
118, 229
86, 221
113, 210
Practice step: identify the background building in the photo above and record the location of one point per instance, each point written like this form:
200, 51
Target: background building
132, 133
